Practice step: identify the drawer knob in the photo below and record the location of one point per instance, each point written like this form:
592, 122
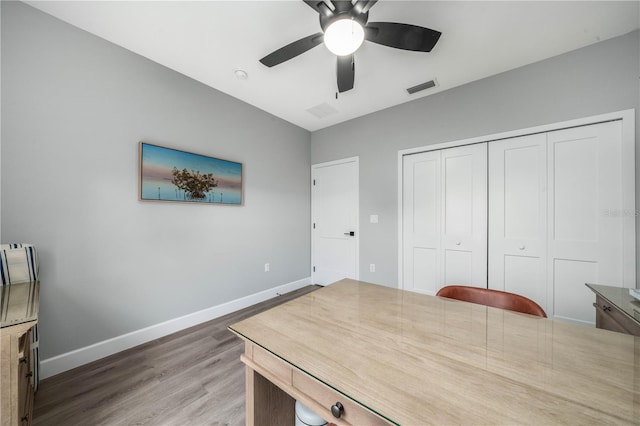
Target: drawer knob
337, 409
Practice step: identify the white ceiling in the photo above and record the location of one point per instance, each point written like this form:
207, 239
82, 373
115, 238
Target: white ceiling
208, 40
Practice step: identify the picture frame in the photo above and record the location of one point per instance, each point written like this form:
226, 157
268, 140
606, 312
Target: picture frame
173, 175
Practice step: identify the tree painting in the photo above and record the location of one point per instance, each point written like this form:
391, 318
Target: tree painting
195, 184
168, 174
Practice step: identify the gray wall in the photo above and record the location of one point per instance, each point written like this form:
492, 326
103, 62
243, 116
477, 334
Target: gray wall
73, 110
597, 79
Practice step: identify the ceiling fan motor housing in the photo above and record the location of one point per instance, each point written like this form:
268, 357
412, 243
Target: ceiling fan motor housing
325, 20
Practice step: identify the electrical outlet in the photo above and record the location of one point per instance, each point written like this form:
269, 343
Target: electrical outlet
267, 267
372, 267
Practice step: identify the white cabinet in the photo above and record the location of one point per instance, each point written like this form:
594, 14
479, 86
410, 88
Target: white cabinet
445, 218
556, 217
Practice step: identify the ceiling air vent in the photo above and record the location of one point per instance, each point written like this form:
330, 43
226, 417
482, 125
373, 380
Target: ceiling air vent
427, 85
322, 110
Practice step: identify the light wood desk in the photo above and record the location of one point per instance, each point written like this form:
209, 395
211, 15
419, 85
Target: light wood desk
396, 357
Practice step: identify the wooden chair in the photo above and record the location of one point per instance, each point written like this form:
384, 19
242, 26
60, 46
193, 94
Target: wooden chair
494, 298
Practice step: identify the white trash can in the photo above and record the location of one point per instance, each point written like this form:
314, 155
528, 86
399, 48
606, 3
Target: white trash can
306, 417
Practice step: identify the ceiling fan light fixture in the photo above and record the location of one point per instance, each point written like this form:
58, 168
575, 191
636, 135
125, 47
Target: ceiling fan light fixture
343, 36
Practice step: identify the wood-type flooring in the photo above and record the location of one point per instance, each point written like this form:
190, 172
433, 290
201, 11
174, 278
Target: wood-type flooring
192, 377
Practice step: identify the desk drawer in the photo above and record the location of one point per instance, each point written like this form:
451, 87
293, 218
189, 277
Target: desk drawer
271, 363
353, 413
609, 317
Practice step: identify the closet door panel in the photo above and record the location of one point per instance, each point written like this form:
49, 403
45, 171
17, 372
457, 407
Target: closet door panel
524, 275
585, 240
569, 277
458, 176
518, 217
425, 270
421, 222
458, 268
575, 200
464, 215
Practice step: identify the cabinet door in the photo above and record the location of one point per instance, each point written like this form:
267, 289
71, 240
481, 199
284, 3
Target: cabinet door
518, 217
585, 232
444, 235
464, 216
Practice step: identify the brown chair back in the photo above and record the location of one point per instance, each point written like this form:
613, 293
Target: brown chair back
494, 298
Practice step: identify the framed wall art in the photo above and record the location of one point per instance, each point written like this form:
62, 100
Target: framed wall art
168, 174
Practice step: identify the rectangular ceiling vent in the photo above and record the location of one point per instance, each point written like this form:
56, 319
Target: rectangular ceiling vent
322, 110
420, 87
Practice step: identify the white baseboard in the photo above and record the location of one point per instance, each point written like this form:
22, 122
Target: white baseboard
60, 363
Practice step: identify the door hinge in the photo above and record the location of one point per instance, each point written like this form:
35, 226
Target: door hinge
314, 182
314, 269
314, 226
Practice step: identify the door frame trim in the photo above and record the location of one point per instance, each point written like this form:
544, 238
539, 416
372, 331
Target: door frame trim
627, 117
355, 160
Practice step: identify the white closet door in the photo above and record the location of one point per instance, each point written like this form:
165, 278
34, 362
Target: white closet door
518, 217
421, 222
445, 218
585, 234
464, 215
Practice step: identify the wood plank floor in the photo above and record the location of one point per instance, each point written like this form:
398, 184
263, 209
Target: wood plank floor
193, 377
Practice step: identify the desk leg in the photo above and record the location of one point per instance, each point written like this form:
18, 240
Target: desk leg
267, 404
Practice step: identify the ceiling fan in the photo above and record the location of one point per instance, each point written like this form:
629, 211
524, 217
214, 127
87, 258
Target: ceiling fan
344, 28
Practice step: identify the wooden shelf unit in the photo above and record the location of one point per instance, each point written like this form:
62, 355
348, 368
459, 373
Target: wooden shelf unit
15, 364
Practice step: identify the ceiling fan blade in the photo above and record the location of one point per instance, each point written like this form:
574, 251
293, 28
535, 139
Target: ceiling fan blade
313, 4
363, 6
346, 73
320, 6
292, 50
402, 36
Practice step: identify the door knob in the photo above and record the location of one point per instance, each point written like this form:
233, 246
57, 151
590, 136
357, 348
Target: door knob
521, 247
350, 234
458, 243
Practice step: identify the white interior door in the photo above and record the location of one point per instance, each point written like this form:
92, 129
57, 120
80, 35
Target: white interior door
585, 219
334, 212
518, 217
